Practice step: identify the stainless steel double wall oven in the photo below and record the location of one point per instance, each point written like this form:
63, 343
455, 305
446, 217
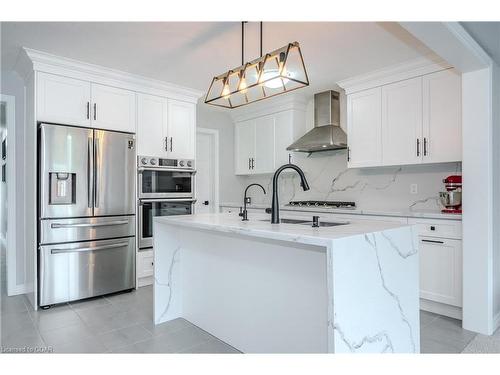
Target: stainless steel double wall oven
86, 213
166, 187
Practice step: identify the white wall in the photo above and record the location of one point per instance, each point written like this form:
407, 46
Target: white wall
496, 194
477, 198
12, 84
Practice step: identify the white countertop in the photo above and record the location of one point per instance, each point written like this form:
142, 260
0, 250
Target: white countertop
260, 226
428, 214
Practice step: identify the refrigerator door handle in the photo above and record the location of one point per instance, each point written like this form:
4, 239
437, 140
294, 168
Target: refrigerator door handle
96, 173
90, 192
89, 225
86, 249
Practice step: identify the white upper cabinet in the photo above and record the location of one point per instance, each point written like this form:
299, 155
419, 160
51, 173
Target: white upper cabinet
402, 122
63, 100
113, 108
165, 127
181, 129
364, 128
264, 145
286, 129
260, 143
442, 117
412, 121
70, 101
244, 135
152, 126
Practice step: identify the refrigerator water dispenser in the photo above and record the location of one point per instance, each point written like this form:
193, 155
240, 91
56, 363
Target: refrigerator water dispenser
62, 188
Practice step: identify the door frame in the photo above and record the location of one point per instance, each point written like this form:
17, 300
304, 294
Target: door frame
10, 238
215, 134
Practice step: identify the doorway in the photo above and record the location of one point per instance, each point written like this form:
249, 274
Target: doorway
207, 171
8, 192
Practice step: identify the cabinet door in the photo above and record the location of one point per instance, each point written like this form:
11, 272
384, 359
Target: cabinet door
402, 122
442, 116
63, 100
441, 270
152, 126
181, 127
244, 140
264, 145
284, 137
364, 128
113, 108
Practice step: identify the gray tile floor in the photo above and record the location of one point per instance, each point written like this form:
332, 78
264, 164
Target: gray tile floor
122, 323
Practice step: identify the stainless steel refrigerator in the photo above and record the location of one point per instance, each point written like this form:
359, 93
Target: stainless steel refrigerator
86, 213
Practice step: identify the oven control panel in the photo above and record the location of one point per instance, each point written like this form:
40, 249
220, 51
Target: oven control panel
149, 161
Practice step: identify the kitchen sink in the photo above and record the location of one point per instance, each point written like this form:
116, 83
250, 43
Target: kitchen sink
309, 223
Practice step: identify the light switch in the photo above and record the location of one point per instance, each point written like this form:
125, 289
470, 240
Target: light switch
413, 189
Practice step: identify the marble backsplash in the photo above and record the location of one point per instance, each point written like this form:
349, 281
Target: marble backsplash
382, 188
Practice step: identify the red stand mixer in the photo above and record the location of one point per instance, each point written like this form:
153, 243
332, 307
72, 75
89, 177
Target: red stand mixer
451, 199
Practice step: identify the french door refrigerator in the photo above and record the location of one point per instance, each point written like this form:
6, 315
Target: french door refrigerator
86, 213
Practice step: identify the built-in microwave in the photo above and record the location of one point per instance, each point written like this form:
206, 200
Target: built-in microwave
165, 178
149, 208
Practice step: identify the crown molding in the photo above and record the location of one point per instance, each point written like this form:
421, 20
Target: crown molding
30, 60
394, 73
264, 108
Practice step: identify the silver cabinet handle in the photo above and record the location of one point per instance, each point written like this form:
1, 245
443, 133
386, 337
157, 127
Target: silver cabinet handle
95, 111
96, 173
166, 143
171, 143
88, 110
89, 225
86, 249
90, 193
253, 163
425, 146
418, 147
249, 163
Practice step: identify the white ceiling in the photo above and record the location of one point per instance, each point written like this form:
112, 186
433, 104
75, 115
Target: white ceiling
191, 53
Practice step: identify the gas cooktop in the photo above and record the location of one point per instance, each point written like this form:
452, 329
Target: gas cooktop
323, 204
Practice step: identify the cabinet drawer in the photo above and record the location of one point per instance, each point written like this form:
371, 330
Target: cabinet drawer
145, 263
438, 228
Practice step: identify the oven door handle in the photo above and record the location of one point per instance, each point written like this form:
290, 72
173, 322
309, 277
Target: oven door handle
153, 200
160, 169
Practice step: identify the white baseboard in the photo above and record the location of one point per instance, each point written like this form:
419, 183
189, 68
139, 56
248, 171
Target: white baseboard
144, 281
17, 290
496, 321
441, 309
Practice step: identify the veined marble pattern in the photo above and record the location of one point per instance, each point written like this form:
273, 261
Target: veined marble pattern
372, 276
371, 188
373, 282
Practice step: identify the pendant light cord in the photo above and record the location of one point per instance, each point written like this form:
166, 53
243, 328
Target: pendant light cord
243, 42
260, 38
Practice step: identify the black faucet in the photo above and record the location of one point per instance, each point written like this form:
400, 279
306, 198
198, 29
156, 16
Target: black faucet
246, 200
275, 209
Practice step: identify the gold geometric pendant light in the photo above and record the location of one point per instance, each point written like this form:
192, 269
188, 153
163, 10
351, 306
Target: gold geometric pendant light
272, 74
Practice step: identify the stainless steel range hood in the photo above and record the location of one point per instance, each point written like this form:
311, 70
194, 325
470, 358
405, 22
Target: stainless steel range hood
326, 134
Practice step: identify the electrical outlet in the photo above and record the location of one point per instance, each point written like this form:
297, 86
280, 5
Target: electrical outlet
413, 189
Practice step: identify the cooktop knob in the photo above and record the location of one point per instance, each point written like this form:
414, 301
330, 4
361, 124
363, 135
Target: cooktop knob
316, 204
144, 160
152, 161
181, 163
189, 163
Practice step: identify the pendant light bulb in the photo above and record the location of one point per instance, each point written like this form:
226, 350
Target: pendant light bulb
243, 84
225, 90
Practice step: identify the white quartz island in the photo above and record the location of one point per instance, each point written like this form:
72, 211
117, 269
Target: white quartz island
290, 288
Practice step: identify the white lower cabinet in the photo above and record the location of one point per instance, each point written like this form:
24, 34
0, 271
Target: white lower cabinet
441, 270
145, 267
